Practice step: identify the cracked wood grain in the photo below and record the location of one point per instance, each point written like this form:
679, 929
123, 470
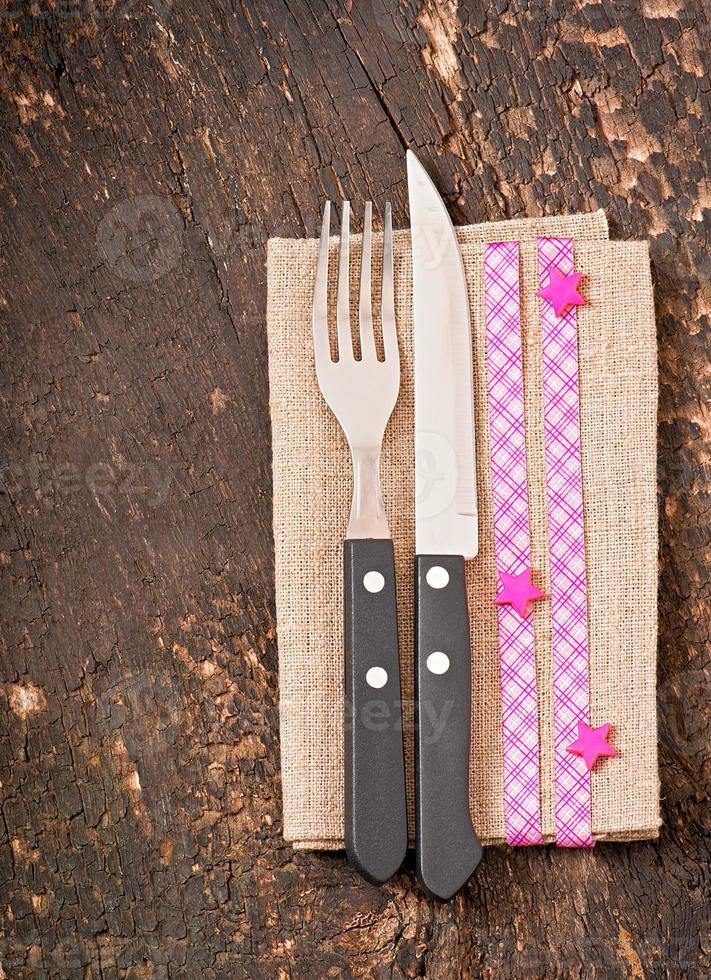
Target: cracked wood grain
148, 152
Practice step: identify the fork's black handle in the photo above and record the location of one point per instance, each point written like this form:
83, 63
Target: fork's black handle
448, 849
375, 801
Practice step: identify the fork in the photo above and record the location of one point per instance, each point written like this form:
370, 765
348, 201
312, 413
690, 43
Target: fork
362, 393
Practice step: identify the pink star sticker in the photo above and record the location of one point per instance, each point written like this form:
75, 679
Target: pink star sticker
562, 291
592, 743
518, 591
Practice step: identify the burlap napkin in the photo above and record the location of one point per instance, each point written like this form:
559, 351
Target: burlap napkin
312, 491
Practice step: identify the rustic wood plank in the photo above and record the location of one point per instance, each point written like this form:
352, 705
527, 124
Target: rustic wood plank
149, 150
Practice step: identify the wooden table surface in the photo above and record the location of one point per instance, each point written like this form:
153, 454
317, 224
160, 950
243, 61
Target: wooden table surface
149, 150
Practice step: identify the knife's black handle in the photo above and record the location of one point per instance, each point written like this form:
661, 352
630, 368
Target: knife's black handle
448, 850
375, 800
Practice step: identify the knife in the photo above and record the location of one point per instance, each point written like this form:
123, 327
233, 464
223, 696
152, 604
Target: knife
447, 848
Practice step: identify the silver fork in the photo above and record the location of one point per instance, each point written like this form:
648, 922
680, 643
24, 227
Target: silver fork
347, 384
362, 394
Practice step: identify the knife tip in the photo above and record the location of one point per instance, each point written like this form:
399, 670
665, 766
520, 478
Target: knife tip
412, 163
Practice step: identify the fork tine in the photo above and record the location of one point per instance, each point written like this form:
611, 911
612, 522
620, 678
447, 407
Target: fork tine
365, 307
343, 308
322, 349
387, 295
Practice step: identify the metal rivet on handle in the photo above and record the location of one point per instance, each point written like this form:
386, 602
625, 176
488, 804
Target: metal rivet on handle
373, 581
438, 662
437, 577
376, 677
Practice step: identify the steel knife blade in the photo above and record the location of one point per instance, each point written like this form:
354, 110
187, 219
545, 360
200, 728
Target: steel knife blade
445, 493
447, 848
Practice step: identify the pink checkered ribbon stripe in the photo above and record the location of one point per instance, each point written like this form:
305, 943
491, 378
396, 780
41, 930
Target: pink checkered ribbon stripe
566, 541
519, 695
512, 541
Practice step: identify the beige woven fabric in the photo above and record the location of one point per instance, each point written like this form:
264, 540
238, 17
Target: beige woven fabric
312, 488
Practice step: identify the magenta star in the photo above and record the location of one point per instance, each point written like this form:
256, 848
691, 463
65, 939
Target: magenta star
518, 591
562, 291
592, 743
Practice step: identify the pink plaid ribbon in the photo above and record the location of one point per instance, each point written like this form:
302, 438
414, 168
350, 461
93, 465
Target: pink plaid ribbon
519, 700
571, 698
